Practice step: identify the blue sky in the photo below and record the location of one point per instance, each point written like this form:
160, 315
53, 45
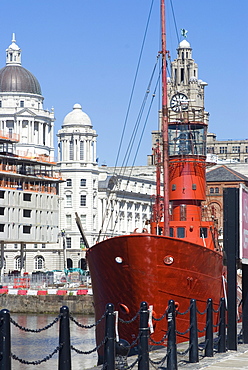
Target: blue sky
85, 51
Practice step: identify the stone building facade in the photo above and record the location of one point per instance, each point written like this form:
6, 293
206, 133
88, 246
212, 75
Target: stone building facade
228, 151
28, 177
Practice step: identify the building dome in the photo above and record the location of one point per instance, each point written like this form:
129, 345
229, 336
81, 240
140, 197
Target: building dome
15, 78
184, 44
77, 117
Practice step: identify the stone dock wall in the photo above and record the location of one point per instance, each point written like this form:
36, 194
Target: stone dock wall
47, 304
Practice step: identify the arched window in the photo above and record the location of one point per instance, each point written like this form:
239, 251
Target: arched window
211, 190
217, 190
69, 263
39, 263
82, 264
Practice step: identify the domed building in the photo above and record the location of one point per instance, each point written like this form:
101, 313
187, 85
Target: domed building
78, 166
29, 181
21, 107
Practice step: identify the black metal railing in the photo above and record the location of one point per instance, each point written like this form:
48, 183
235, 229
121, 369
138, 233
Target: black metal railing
116, 350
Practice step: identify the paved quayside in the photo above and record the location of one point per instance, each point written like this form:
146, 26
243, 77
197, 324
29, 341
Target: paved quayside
221, 361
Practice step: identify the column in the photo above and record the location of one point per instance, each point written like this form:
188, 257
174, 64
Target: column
22, 258
2, 260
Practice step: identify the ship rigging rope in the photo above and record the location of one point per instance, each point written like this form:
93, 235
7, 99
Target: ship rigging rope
128, 110
174, 19
134, 84
130, 146
135, 130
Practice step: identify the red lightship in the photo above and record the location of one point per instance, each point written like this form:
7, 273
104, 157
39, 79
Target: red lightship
178, 257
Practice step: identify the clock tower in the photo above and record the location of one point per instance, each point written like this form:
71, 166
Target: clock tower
185, 90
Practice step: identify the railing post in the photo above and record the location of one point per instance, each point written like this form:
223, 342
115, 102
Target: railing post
64, 339
209, 339
172, 347
222, 327
193, 340
143, 338
109, 347
5, 345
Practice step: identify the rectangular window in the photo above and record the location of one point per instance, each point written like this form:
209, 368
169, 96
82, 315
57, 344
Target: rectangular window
82, 200
0, 103
203, 232
236, 149
83, 220
68, 242
35, 246
246, 149
22, 103
68, 221
27, 197
2, 194
26, 213
183, 215
182, 74
2, 210
68, 200
1, 228
83, 182
43, 245
71, 154
210, 149
171, 232
181, 232
68, 182
81, 150
26, 229
223, 149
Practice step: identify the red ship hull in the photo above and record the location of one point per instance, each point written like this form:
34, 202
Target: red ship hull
127, 270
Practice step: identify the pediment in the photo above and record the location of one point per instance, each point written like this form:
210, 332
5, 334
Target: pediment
25, 112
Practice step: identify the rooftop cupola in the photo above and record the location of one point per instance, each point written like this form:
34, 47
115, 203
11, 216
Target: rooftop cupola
13, 53
184, 50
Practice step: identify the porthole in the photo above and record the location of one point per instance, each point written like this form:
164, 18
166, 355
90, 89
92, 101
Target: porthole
168, 260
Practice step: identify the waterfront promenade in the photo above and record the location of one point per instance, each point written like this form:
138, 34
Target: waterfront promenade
235, 360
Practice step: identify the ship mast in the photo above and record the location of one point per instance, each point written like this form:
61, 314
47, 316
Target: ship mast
165, 123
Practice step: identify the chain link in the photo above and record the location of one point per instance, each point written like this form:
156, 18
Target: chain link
201, 313
134, 363
183, 353
87, 326
161, 362
162, 317
91, 351
129, 321
161, 341
35, 330
38, 362
216, 311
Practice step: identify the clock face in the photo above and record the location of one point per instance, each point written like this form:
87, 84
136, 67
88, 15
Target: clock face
179, 102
